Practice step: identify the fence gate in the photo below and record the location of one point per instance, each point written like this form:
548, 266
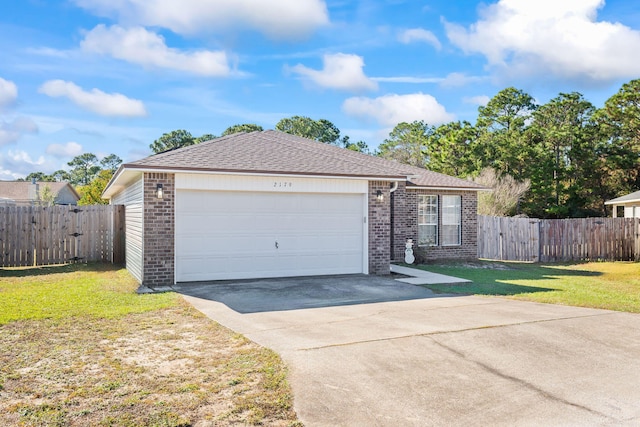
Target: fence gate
38, 235
509, 239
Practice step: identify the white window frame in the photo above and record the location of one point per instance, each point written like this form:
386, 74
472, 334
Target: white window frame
452, 216
426, 219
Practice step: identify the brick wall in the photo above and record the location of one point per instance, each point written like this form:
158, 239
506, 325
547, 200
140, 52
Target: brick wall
405, 220
159, 220
405, 225
379, 228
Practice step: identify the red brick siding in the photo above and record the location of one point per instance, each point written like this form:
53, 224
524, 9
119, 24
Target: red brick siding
405, 225
405, 220
159, 230
379, 228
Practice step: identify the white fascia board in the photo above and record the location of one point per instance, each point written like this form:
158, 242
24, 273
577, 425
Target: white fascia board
621, 203
289, 175
119, 181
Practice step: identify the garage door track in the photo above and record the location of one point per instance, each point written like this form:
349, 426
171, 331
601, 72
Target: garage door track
382, 353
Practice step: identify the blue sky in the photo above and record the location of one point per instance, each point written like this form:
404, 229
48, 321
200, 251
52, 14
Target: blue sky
110, 76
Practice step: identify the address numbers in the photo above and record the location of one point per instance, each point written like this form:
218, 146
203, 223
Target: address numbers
282, 184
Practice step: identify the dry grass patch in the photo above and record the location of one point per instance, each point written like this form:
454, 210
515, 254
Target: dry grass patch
159, 367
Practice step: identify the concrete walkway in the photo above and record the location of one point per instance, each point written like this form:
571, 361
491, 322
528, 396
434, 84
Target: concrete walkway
422, 277
446, 361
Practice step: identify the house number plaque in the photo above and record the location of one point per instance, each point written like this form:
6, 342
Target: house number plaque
282, 184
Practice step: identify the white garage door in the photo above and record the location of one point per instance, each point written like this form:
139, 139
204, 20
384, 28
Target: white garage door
244, 235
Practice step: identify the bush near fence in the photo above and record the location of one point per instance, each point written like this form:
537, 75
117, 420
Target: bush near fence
551, 240
46, 235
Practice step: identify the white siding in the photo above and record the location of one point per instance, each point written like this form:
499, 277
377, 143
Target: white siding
132, 198
273, 184
631, 211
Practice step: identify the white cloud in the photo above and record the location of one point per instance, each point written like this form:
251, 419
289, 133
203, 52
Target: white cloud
11, 131
50, 52
18, 163
563, 38
20, 156
70, 149
476, 100
8, 93
419, 35
389, 110
97, 101
450, 80
278, 19
340, 71
459, 79
408, 79
7, 175
146, 48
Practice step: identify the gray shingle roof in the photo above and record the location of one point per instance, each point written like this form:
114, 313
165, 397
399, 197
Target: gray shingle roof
19, 190
633, 197
280, 153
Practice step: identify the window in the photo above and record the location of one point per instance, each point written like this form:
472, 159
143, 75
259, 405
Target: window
427, 220
451, 220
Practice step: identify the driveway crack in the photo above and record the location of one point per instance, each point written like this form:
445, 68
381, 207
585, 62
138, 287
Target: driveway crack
428, 334
520, 381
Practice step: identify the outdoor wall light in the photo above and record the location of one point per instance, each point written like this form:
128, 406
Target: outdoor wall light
159, 192
379, 196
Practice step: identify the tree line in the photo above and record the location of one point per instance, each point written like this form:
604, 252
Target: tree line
321, 130
572, 155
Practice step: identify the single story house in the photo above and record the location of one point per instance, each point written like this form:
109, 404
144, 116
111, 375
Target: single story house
630, 203
270, 204
25, 193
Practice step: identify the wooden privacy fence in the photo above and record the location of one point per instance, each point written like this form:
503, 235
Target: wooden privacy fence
38, 235
549, 240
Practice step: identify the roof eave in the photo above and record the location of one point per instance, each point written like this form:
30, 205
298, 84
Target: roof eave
113, 186
621, 202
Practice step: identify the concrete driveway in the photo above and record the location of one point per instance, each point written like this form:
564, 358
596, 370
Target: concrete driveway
372, 351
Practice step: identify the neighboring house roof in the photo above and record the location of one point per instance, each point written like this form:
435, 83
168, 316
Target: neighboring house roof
274, 152
629, 198
19, 190
5, 201
423, 178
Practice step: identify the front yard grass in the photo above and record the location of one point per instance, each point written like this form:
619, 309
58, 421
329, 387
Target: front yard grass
607, 285
78, 347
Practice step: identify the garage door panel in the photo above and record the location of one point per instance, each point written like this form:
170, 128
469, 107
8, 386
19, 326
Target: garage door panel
312, 264
225, 268
224, 235
240, 246
334, 243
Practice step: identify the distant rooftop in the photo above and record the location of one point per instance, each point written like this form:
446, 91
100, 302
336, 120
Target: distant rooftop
633, 197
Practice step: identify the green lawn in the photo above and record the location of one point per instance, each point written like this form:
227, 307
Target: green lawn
79, 347
95, 290
608, 285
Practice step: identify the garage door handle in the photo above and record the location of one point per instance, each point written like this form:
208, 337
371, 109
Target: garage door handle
276, 244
